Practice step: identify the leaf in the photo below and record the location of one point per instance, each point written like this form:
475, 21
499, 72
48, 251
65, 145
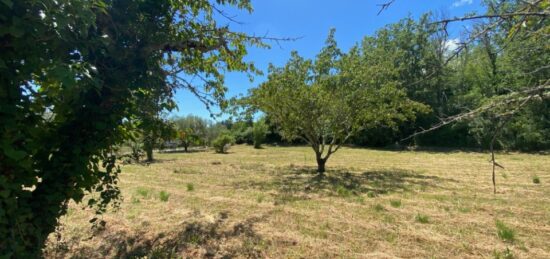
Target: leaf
15, 154
9, 3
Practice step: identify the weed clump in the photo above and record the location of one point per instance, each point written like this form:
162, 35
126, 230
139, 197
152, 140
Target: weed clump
395, 203
505, 232
421, 218
536, 180
163, 196
190, 187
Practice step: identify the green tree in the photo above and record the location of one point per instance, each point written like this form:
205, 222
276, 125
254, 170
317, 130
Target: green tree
327, 101
71, 74
192, 130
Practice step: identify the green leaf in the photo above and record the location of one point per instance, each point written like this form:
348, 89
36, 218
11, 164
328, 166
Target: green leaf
15, 154
9, 3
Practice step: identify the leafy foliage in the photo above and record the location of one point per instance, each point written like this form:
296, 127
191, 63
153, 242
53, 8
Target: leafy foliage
259, 132
76, 78
222, 143
327, 101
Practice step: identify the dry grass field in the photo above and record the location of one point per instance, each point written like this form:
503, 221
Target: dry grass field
268, 203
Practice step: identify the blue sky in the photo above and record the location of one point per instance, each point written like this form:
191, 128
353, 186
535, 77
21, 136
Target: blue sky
311, 20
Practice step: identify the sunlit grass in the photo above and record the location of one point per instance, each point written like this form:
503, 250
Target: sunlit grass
269, 203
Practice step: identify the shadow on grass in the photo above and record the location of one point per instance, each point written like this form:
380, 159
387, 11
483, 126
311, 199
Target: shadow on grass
192, 240
297, 183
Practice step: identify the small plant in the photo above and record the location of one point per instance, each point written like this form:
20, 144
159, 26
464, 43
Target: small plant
506, 254
371, 194
135, 200
164, 196
222, 143
343, 191
379, 208
259, 198
143, 192
421, 218
504, 232
536, 179
190, 187
395, 203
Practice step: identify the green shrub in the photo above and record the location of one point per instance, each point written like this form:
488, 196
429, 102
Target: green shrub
505, 232
422, 218
395, 203
536, 179
190, 187
259, 132
164, 196
222, 143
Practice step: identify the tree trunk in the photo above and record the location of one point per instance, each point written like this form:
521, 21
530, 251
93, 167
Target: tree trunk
149, 152
185, 148
321, 165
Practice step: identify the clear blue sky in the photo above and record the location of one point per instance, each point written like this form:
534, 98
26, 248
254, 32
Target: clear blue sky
311, 20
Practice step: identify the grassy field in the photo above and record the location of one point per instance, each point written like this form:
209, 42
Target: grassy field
268, 203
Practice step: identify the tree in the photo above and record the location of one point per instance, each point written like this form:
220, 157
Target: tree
222, 142
192, 130
70, 77
259, 131
327, 101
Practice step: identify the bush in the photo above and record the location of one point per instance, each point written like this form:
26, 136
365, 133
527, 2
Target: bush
222, 143
259, 131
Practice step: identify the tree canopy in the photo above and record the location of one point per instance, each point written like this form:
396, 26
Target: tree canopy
72, 75
326, 101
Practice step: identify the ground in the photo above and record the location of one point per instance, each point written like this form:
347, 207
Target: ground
269, 203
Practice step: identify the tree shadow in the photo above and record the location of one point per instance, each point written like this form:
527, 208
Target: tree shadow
299, 183
217, 239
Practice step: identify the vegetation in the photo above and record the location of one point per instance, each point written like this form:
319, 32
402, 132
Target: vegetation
75, 77
269, 203
327, 101
222, 143
259, 132
88, 84
504, 232
191, 130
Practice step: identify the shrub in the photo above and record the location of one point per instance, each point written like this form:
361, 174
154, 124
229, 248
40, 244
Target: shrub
536, 179
422, 218
190, 187
222, 143
504, 232
164, 196
259, 132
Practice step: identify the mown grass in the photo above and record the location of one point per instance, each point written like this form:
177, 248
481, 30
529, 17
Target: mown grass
269, 203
